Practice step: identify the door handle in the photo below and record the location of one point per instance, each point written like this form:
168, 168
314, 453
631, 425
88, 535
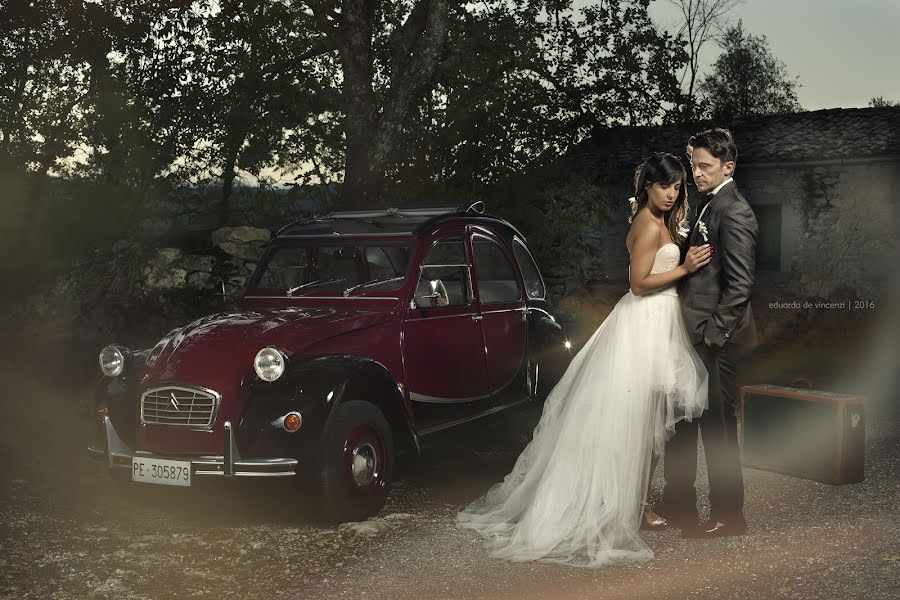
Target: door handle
477, 317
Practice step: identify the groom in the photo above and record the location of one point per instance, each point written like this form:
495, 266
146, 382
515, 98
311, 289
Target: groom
715, 303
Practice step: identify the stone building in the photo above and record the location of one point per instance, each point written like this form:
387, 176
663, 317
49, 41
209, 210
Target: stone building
825, 186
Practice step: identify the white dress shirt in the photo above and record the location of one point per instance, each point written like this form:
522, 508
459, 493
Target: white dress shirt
713, 193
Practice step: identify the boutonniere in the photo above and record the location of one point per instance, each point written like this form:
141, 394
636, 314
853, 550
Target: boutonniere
701, 227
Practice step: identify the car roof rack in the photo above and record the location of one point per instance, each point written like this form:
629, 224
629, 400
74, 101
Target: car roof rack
412, 212
399, 220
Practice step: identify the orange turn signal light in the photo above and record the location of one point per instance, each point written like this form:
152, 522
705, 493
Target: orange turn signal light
292, 421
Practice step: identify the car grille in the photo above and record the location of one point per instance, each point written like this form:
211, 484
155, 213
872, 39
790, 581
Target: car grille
179, 407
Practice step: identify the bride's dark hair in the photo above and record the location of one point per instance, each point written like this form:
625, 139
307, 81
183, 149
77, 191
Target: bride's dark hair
665, 169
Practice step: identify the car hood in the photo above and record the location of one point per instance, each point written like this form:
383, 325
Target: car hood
220, 348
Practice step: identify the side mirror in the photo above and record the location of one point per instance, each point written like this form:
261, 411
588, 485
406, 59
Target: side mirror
437, 297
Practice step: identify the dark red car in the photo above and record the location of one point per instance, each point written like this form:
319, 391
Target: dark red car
359, 333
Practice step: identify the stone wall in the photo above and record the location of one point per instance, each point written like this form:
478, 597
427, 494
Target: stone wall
132, 292
608, 263
183, 212
839, 227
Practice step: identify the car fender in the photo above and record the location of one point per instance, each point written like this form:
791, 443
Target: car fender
313, 388
547, 345
117, 395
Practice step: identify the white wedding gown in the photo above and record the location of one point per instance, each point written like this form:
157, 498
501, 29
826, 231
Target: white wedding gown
576, 493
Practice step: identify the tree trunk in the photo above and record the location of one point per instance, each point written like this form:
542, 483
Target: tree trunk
229, 173
371, 131
360, 104
362, 179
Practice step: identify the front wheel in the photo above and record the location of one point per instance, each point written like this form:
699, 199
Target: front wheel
357, 462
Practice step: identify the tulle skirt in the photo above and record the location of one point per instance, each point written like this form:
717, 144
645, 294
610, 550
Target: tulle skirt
576, 492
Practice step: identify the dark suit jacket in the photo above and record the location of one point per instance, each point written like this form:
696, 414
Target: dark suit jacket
715, 301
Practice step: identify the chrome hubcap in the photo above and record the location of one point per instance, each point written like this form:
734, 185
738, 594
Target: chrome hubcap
363, 464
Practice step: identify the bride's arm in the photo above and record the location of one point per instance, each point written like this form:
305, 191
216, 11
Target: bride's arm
643, 255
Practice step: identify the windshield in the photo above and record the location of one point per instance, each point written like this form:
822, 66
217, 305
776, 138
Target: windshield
351, 268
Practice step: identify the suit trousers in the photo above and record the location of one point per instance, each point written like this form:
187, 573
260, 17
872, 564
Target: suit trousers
718, 428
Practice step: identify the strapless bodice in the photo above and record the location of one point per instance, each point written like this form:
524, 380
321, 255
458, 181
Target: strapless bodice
666, 259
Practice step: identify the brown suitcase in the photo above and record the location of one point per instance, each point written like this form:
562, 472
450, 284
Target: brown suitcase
806, 433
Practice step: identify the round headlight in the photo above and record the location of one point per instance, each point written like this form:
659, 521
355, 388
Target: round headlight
112, 361
269, 364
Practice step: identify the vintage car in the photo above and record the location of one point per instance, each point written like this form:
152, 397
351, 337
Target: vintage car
358, 334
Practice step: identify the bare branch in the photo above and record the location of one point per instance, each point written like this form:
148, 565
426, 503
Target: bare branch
703, 20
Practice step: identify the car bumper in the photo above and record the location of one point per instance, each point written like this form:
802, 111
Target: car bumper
228, 464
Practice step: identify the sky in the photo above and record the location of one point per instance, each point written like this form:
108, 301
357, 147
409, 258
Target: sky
844, 51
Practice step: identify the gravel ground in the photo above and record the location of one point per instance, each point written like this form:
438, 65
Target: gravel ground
66, 532
806, 540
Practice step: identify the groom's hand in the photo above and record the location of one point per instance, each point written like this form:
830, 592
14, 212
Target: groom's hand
707, 341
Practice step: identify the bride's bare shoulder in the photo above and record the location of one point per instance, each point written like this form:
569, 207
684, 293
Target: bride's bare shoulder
642, 226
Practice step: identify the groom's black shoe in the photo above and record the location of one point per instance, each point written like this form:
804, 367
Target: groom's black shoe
718, 527
691, 529
679, 519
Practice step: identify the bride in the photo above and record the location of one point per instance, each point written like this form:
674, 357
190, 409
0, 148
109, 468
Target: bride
577, 491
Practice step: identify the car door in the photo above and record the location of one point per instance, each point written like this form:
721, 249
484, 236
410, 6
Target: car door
443, 345
504, 315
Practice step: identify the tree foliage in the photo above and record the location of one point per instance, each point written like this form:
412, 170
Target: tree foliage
398, 98
264, 77
45, 78
522, 82
388, 53
747, 79
882, 102
141, 129
702, 21
47, 88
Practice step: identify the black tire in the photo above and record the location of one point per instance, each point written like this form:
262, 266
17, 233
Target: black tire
356, 462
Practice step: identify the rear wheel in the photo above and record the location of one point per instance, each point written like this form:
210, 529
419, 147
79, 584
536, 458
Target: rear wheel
357, 462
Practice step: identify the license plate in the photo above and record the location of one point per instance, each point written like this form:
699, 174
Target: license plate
163, 472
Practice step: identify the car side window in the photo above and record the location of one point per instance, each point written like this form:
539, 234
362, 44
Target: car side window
286, 269
533, 282
494, 273
445, 275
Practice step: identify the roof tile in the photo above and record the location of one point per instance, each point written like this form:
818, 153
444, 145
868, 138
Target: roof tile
833, 134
